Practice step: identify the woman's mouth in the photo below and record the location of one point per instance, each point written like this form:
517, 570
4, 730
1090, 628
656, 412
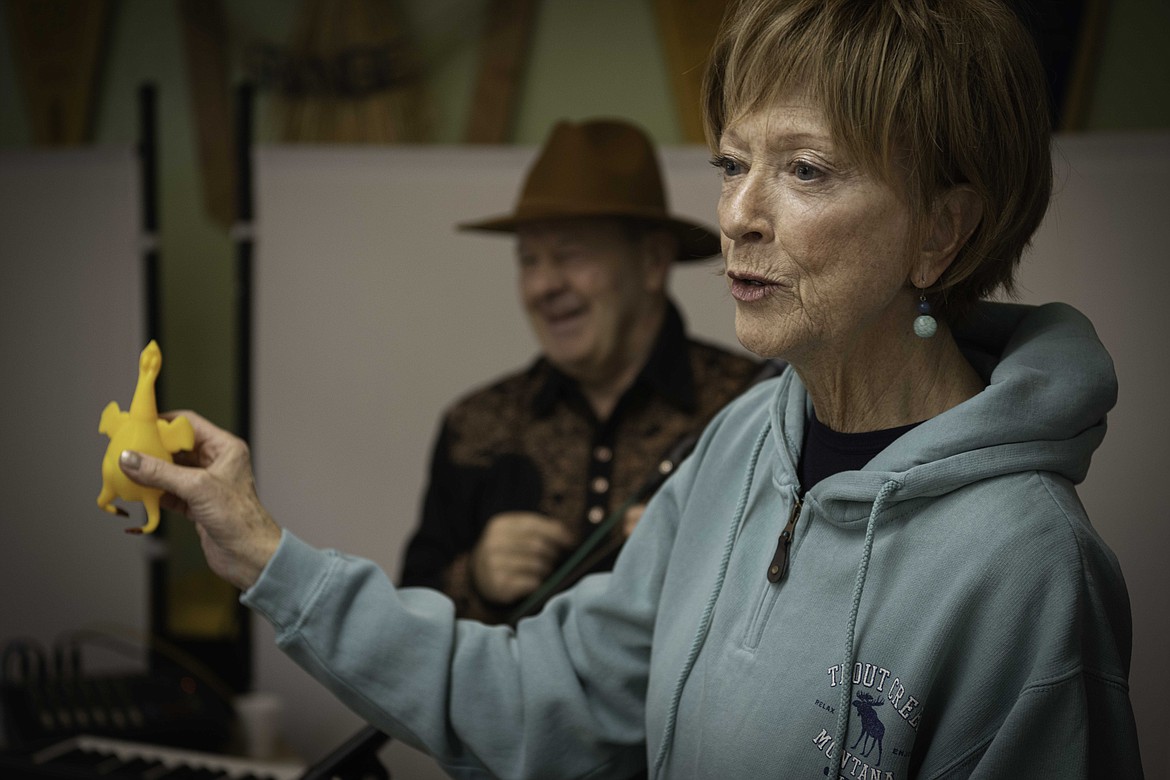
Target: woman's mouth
749, 288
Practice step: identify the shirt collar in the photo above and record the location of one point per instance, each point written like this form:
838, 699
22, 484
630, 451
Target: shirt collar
667, 371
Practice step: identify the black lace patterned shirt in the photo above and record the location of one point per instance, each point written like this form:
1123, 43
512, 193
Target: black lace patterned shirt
530, 442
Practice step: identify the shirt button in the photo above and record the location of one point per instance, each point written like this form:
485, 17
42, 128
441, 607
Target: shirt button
596, 515
665, 467
602, 454
600, 484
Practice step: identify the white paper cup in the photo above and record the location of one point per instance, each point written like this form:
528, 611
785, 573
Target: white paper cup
259, 716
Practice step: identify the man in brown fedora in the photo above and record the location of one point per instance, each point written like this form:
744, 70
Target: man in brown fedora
526, 468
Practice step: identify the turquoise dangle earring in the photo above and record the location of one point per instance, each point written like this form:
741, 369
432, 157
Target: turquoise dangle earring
925, 325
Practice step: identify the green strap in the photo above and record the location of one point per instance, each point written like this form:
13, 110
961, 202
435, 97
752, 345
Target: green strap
553, 583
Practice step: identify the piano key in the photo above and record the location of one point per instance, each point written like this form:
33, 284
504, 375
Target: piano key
113, 759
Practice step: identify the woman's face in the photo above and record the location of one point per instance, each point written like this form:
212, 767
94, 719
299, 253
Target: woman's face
815, 249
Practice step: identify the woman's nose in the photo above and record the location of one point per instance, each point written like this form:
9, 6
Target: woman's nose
743, 217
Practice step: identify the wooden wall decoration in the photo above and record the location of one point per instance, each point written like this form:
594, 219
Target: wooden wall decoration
503, 57
349, 76
1068, 35
58, 47
688, 29
206, 43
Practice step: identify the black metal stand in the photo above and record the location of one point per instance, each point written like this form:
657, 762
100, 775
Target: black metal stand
243, 299
242, 233
355, 759
229, 657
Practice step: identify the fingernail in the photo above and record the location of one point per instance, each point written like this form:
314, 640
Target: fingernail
130, 459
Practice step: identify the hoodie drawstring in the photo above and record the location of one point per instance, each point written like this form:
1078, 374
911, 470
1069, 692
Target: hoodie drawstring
844, 704
709, 611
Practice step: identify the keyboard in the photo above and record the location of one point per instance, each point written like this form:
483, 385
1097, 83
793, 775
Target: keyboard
87, 757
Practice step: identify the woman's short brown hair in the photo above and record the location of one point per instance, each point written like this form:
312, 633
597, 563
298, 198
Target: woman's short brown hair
924, 94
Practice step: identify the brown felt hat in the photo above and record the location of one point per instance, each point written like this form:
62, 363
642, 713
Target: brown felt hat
600, 168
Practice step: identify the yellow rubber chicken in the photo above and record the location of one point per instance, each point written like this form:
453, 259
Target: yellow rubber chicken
140, 430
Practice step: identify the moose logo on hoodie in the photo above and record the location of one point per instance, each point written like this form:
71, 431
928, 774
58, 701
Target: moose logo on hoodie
883, 695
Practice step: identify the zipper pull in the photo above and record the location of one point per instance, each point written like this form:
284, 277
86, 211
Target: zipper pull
779, 566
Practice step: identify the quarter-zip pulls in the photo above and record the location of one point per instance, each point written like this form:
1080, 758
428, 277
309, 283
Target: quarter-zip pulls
779, 566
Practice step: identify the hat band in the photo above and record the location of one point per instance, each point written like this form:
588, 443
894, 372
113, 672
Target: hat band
551, 209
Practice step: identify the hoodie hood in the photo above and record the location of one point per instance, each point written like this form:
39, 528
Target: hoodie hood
1050, 383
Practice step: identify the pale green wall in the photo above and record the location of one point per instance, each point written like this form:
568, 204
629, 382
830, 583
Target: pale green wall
588, 57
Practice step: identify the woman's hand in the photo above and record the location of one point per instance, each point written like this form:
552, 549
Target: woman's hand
213, 485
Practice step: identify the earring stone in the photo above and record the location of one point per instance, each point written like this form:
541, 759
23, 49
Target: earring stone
925, 325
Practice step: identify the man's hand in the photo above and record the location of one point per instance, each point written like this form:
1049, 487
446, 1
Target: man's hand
214, 487
515, 554
631, 518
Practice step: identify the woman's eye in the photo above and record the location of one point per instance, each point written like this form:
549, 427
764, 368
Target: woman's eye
728, 166
805, 172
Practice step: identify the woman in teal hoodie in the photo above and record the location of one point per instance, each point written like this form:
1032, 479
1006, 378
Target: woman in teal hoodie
873, 566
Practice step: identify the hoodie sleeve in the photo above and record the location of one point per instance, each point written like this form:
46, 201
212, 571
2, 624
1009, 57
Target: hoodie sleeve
562, 695
1080, 726
1051, 697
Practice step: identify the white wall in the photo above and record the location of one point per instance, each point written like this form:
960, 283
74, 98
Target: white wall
71, 309
373, 313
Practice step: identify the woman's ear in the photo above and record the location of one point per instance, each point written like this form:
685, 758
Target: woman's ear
957, 213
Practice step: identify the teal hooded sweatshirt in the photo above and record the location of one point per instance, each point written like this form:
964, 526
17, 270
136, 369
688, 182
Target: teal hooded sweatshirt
948, 611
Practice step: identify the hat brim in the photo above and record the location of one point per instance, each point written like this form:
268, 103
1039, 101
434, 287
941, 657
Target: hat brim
695, 241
